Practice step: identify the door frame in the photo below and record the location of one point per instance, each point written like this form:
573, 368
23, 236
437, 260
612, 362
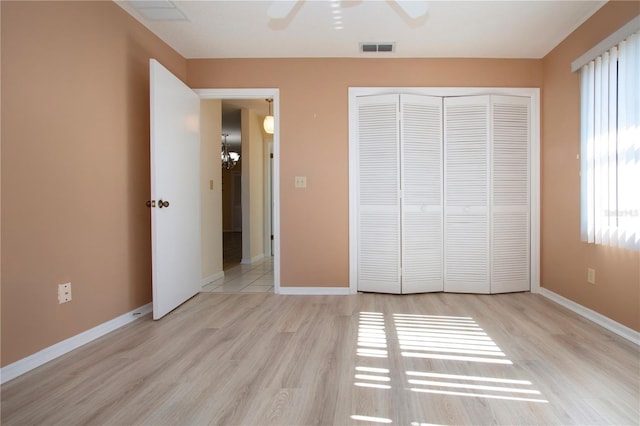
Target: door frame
534, 163
261, 93
268, 198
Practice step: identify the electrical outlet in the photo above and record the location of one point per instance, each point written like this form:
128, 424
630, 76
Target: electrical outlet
64, 293
301, 182
591, 275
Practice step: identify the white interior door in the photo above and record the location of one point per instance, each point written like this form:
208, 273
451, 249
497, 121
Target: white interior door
421, 170
378, 255
175, 182
466, 197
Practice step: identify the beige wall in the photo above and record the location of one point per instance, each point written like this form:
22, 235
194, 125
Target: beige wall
252, 187
1, 32
75, 168
256, 185
314, 138
565, 258
211, 186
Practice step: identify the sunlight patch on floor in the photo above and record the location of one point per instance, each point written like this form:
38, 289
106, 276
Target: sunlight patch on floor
478, 395
374, 375
370, 419
372, 338
371, 385
372, 343
461, 377
456, 339
446, 338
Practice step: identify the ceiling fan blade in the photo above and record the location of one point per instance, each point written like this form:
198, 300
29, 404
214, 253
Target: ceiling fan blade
414, 8
280, 9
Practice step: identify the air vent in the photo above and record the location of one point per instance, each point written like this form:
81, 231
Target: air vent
377, 47
158, 10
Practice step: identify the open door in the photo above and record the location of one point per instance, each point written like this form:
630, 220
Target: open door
175, 190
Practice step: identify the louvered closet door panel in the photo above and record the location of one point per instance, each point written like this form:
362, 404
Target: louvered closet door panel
378, 194
510, 242
421, 181
467, 185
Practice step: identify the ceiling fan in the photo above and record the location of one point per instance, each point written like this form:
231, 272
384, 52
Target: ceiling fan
414, 9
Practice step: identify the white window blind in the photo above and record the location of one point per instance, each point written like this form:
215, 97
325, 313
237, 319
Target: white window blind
610, 147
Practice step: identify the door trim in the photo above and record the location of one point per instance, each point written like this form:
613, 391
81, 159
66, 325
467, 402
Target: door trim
258, 93
534, 158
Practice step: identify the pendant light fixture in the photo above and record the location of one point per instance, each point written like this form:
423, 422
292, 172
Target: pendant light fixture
268, 120
229, 159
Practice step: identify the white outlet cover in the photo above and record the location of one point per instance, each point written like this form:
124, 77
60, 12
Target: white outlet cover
64, 293
301, 182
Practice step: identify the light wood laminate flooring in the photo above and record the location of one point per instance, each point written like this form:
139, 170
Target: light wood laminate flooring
259, 359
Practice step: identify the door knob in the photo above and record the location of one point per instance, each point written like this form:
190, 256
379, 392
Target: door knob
151, 203
162, 204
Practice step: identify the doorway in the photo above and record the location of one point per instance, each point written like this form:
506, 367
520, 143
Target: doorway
255, 261
231, 161
231, 219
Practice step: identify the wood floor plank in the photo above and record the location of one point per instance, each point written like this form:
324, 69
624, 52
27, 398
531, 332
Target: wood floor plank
265, 359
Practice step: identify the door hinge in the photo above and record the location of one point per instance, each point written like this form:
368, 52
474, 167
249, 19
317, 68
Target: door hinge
272, 238
271, 155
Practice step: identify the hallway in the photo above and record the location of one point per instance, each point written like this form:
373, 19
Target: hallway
239, 278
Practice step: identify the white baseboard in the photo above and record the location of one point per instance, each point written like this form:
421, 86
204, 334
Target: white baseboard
212, 278
24, 365
606, 322
315, 291
253, 259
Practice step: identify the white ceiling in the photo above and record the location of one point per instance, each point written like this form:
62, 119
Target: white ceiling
473, 29
243, 29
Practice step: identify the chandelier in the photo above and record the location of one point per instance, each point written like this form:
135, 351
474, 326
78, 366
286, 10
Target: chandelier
229, 159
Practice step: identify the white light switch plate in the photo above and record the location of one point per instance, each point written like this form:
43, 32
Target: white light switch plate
301, 182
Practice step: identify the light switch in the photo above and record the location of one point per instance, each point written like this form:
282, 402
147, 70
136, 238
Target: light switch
301, 182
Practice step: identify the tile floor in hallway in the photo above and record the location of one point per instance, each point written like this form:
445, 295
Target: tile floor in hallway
254, 278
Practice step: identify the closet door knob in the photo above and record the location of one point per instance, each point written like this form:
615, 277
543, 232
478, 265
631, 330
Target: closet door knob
162, 204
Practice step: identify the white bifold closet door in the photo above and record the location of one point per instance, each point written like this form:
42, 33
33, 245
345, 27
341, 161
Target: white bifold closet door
378, 194
421, 184
400, 194
487, 242
443, 194
466, 204
510, 195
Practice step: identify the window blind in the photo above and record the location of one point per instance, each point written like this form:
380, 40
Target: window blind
610, 146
